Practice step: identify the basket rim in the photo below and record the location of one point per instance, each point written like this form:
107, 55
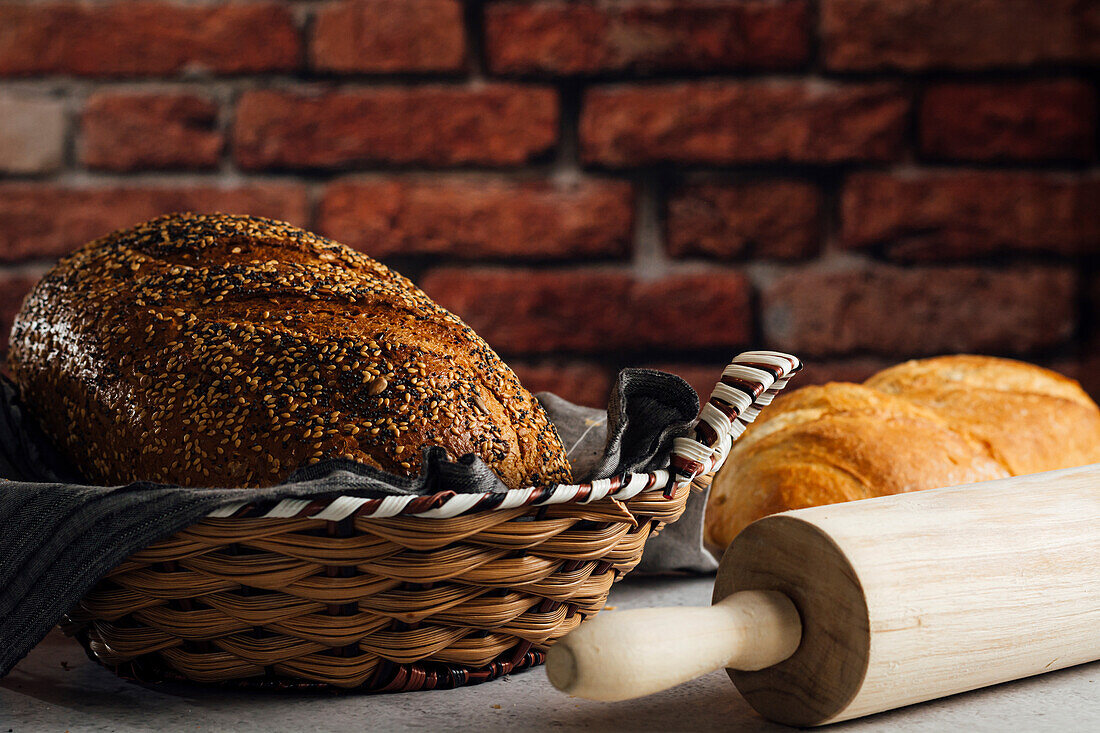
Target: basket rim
749, 383
572, 577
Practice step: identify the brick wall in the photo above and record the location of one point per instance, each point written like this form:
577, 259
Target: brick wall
593, 185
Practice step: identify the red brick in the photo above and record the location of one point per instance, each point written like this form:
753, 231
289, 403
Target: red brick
861, 35
496, 124
855, 369
1084, 364
918, 311
1092, 295
1088, 374
722, 122
1084, 368
960, 214
1033, 121
32, 133
45, 221
596, 310
581, 382
778, 219
13, 288
127, 132
1092, 310
146, 38
578, 38
376, 36
472, 217
701, 377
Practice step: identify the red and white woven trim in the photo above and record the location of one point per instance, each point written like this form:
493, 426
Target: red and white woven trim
450, 504
750, 382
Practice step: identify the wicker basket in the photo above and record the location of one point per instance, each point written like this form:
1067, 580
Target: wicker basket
401, 593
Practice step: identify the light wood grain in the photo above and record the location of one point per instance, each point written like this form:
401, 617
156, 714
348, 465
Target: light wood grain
963, 587
900, 599
603, 659
797, 559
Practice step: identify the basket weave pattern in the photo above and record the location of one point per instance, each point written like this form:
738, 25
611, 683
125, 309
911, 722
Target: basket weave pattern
386, 603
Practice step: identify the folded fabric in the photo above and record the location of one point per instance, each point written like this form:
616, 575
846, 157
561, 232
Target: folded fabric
61, 535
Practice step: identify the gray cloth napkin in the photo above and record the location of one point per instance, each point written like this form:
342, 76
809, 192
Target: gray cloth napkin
60, 535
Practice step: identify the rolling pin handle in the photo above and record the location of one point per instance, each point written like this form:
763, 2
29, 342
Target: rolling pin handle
627, 654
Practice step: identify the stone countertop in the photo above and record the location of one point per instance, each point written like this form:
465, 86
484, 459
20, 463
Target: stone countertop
56, 688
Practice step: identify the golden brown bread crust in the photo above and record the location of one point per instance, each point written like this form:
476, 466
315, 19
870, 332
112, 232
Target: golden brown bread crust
837, 442
963, 371
1029, 419
919, 425
229, 351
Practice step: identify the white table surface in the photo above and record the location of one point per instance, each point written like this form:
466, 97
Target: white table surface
56, 688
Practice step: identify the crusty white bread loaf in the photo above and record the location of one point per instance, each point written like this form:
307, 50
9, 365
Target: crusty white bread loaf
1029, 419
230, 351
919, 425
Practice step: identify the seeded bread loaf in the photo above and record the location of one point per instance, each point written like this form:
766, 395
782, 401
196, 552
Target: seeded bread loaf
230, 351
919, 425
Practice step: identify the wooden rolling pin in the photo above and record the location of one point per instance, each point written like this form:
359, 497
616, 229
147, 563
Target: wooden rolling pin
839, 611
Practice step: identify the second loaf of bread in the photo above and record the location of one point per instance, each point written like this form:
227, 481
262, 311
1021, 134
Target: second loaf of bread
919, 425
230, 351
